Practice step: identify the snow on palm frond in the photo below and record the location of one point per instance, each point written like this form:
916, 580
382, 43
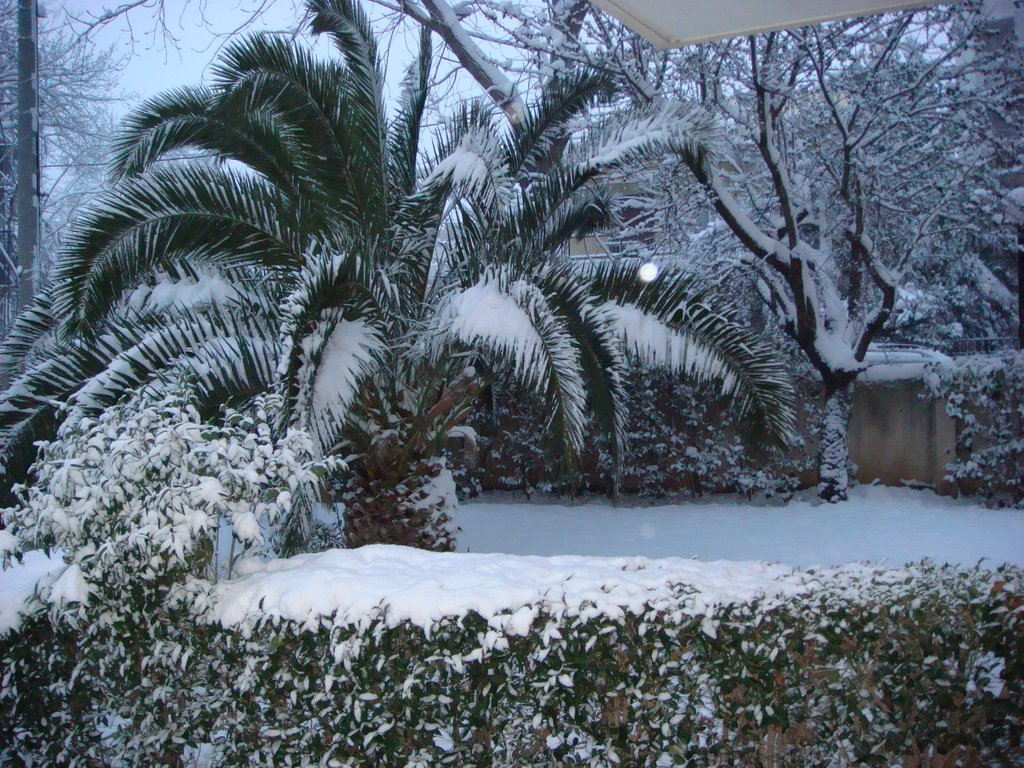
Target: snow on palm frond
224, 351
656, 344
203, 288
332, 337
514, 321
684, 129
475, 168
483, 315
333, 362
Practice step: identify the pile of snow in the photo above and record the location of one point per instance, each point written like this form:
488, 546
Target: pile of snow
877, 524
19, 582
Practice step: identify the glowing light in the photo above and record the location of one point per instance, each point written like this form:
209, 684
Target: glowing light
648, 272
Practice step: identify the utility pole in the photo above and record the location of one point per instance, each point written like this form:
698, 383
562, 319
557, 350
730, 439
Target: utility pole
28, 150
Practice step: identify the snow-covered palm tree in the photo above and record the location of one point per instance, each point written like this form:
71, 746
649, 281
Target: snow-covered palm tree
276, 230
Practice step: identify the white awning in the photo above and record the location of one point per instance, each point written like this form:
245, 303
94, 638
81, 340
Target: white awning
672, 23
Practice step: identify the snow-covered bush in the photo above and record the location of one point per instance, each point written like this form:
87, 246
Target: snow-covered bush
985, 394
149, 506
856, 666
414, 659
680, 437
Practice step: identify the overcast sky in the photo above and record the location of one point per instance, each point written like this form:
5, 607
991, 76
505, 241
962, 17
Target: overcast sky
164, 52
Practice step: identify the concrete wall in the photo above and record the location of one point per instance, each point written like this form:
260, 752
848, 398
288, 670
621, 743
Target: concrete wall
896, 435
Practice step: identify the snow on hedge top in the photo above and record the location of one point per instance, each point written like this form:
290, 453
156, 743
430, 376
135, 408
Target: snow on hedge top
349, 587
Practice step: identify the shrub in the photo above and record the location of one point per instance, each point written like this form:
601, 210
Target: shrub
680, 438
985, 394
137, 500
853, 666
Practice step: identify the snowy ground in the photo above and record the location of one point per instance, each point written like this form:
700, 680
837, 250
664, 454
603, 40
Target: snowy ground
888, 525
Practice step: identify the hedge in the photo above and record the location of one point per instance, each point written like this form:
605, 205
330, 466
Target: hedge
919, 666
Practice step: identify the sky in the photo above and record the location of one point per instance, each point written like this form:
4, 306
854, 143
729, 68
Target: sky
158, 51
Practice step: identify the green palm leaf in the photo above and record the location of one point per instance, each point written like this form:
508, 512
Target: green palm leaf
675, 323
212, 215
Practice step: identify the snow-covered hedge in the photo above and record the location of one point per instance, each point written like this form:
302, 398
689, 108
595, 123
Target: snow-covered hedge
390, 656
985, 394
680, 438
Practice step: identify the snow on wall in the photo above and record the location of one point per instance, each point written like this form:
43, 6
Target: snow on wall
885, 363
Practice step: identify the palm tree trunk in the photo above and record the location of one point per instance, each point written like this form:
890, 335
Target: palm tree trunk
416, 511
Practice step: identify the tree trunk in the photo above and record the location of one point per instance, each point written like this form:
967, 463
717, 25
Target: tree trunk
414, 512
834, 445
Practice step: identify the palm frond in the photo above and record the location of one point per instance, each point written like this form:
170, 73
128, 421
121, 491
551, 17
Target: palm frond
228, 126
543, 128
18, 449
601, 354
513, 323
683, 129
171, 121
32, 329
675, 323
213, 215
542, 217
223, 349
404, 134
345, 22
316, 99
333, 337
